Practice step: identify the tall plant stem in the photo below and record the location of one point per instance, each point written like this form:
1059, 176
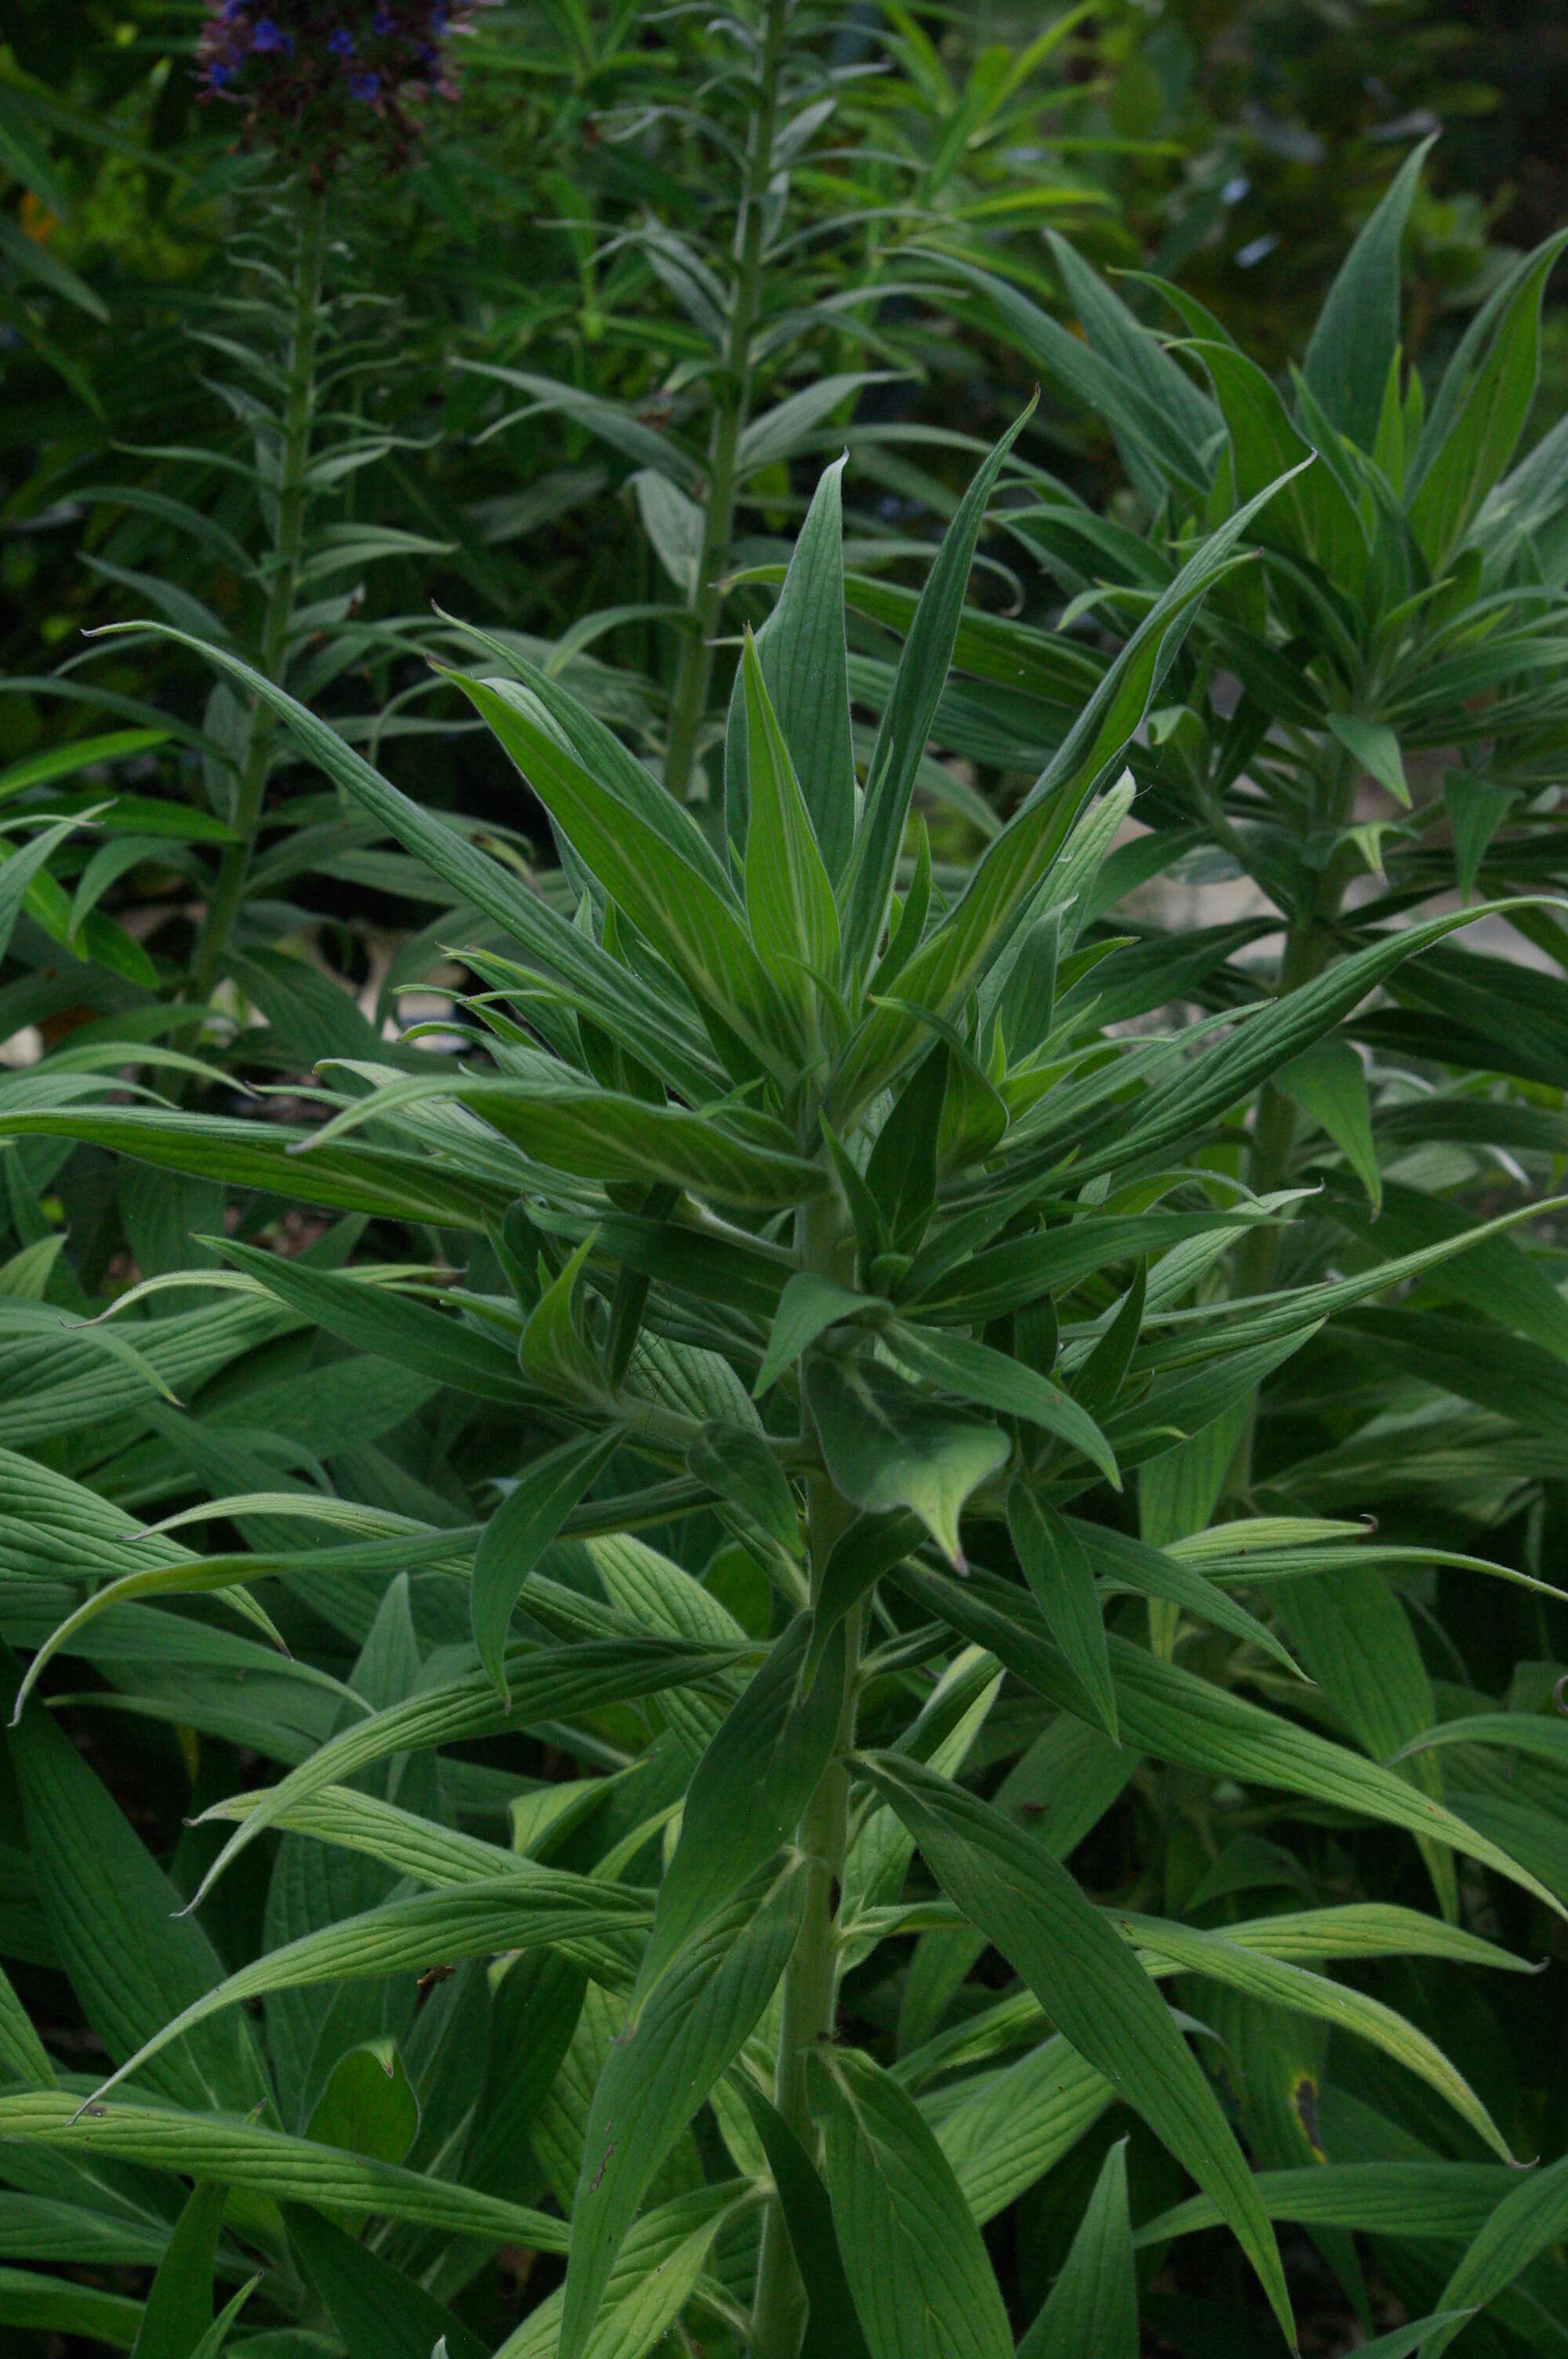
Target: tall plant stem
694, 672
811, 1978
283, 587
1306, 953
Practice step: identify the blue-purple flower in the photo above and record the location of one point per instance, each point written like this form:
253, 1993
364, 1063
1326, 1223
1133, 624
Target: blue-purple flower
315, 80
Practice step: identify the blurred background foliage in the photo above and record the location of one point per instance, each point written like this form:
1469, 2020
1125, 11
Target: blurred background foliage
1236, 146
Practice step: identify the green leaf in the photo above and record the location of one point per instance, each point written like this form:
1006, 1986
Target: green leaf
78, 753
1057, 1569
132, 1960
533, 1908
208, 2146
934, 1356
520, 1531
740, 1466
747, 1793
789, 894
911, 709
654, 863
1353, 345
1376, 747
19, 868
857, 1559
1026, 1903
54, 2307
1481, 409
1165, 1711
1276, 1982
179, 2302
552, 1350
1534, 2216
379, 2312
1093, 2306
1329, 1083
631, 1010
800, 650
832, 2329
368, 2105
1428, 2199
808, 1306
546, 1684
658, 2270
960, 952
256, 1155
22, 2052
901, 1174
1355, 1637
603, 1134
690, 2028
374, 1319
923, 2283
886, 1445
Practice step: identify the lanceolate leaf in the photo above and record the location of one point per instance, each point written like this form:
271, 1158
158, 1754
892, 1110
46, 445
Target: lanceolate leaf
832, 2328
531, 1908
132, 1960
241, 2154
1093, 2306
1353, 345
1025, 1902
519, 1532
1056, 1567
689, 2029
800, 651
640, 853
911, 709
923, 2283
748, 1791
789, 894
542, 1683
627, 1008
379, 2312
1164, 1710
179, 2300
1529, 2219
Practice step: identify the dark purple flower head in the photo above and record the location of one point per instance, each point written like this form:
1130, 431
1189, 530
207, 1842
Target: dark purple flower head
319, 80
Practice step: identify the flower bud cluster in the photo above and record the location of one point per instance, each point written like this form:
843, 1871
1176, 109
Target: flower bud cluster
316, 80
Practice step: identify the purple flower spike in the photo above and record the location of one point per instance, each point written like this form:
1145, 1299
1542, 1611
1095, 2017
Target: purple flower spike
322, 82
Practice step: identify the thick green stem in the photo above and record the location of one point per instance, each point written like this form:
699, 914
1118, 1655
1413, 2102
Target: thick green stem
733, 410
283, 587
811, 1978
1306, 953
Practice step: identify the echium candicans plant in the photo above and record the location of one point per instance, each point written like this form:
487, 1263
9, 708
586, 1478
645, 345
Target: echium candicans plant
1376, 713
324, 88
816, 1216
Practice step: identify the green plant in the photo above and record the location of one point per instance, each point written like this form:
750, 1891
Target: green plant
816, 1221
786, 165
1377, 713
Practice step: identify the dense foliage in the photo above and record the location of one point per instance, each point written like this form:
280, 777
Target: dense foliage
781, 1337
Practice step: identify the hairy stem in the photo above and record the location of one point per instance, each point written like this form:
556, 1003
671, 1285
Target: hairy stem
693, 673
282, 586
811, 1978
